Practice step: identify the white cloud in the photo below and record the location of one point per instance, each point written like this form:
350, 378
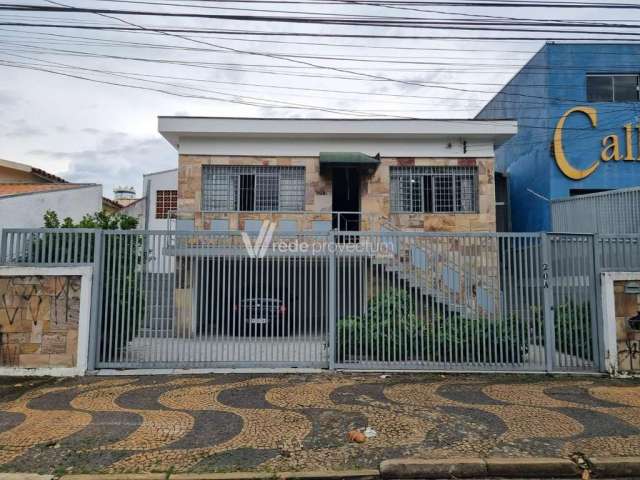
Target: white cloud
93, 132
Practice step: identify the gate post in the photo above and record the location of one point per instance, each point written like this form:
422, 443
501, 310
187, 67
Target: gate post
547, 295
3, 246
332, 300
96, 296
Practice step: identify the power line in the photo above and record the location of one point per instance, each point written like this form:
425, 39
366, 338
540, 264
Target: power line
483, 38
391, 22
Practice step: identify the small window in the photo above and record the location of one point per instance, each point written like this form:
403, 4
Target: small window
599, 89
612, 88
434, 189
253, 189
625, 88
166, 203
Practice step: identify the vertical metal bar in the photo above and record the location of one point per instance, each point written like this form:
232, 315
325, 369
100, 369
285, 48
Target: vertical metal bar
3, 246
114, 295
547, 282
198, 282
521, 303
206, 298
332, 300
560, 256
96, 294
118, 303
574, 290
527, 311
129, 287
157, 324
504, 303
596, 317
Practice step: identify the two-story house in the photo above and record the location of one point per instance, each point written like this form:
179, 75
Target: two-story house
319, 174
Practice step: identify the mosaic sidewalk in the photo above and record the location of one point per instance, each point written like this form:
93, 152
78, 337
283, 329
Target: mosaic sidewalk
300, 422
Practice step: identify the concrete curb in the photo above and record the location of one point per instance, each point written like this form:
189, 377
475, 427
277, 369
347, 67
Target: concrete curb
317, 475
531, 467
615, 467
542, 467
405, 469
408, 468
24, 476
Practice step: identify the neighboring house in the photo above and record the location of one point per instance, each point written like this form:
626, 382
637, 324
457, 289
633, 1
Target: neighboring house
14, 172
24, 205
156, 210
26, 193
161, 190
316, 174
577, 111
110, 206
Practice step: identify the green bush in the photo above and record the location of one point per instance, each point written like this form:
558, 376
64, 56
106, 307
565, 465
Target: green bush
122, 295
384, 331
391, 331
455, 338
573, 329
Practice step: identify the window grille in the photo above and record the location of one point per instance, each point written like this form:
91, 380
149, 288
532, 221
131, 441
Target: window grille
434, 189
166, 203
252, 188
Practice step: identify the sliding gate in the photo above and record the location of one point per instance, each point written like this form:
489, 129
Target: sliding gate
197, 300
362, 300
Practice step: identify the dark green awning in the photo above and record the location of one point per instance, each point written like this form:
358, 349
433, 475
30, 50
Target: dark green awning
348, 158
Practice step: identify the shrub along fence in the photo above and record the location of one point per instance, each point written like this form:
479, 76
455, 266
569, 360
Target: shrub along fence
493, 302
377, 300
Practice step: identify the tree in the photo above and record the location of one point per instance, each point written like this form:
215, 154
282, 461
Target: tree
99, 220
125, 256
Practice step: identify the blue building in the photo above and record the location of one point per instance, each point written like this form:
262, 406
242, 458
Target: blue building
578, 112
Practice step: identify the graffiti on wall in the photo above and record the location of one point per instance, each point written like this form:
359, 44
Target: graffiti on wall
39, 320
627, 307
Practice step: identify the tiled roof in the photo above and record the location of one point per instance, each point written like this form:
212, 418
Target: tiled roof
7, 189
50, 177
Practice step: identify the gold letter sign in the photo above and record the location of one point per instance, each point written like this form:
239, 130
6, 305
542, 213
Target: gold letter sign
558, 150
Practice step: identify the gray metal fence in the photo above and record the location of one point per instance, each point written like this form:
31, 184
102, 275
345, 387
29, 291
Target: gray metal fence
357, 300
612, 212
467, 302
619, 253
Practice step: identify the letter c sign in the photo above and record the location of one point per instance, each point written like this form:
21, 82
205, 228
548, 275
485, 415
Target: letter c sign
561, 160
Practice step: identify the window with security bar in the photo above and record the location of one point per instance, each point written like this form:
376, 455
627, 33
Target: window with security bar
166, 203
434, 189
252, 188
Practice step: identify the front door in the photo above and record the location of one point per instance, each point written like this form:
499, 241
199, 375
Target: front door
346, 198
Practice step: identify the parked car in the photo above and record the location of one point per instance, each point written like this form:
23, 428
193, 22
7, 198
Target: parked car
263, 315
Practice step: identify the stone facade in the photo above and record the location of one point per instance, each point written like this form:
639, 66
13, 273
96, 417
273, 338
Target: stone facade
627, 305
374, 201
39, 318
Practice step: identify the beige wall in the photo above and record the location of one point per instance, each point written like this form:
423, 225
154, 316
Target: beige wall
626, 305
375, 199
39, 318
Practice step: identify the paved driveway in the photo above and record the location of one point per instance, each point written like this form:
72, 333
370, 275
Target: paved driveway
296, 422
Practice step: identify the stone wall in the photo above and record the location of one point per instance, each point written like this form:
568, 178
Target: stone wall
627, 305
375, 198
39, 318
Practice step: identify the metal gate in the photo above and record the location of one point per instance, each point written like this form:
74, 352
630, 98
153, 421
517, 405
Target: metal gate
467, 302
194, 300
362, 300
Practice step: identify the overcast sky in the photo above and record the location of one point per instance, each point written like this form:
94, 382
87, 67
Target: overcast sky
96, 132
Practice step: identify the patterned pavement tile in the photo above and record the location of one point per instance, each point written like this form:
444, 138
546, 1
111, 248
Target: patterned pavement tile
296, 422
